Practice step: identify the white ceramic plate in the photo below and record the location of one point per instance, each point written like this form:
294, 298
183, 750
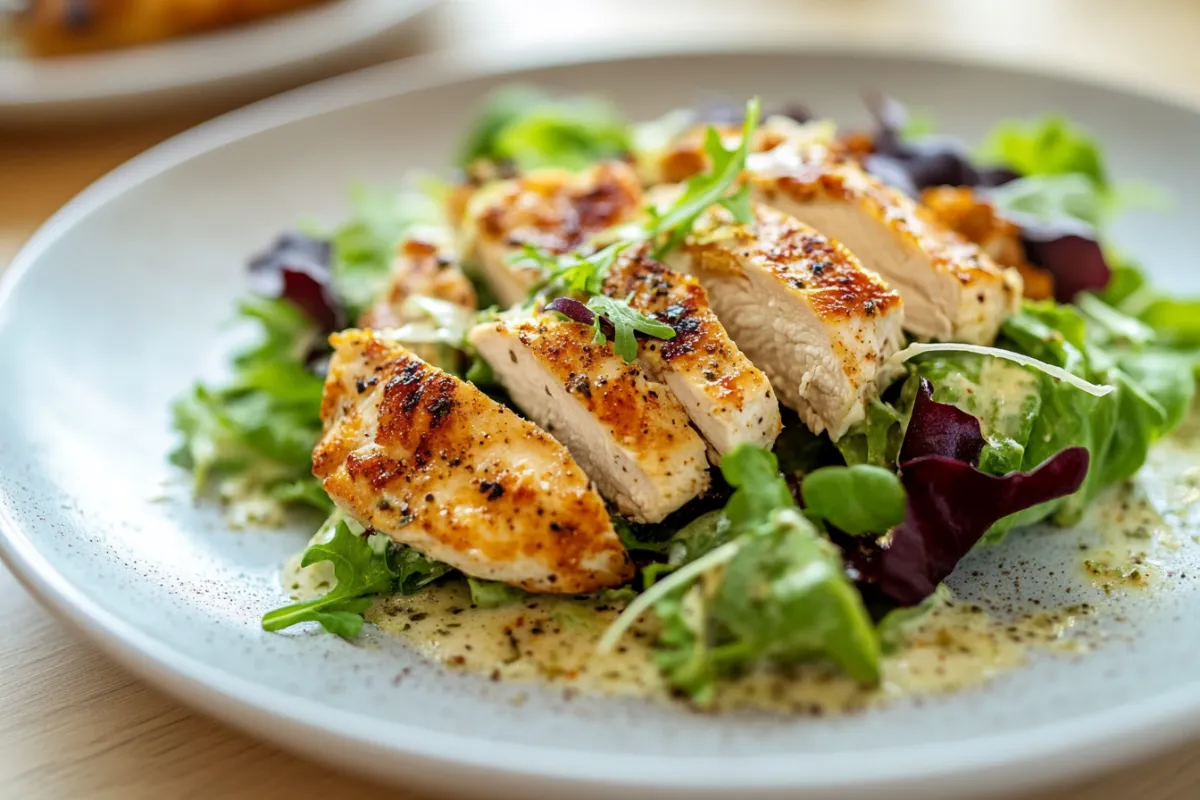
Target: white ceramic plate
236, 59
116, 306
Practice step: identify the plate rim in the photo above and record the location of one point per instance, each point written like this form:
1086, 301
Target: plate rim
264, 47
1053, 751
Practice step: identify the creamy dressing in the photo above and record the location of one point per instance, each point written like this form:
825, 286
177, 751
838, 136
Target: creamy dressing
553, 640
1130, 534
1134, 530
1138, 525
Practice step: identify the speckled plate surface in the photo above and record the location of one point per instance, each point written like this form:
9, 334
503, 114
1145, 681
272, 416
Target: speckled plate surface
119, 302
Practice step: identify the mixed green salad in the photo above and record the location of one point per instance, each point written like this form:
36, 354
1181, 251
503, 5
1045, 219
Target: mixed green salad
817, 549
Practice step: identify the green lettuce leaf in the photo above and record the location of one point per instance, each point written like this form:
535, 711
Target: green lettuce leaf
857, 500
1118, 429
1049, 198
777, 592
532, 130
1051, 145
1026, 417
785, 598
253, 437
493, 594
876, 439
365, 246
759, 489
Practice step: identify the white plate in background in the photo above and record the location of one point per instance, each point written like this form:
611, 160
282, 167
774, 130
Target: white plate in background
267, 53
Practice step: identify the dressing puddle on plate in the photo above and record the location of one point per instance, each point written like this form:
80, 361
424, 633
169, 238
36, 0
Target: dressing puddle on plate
1135, 539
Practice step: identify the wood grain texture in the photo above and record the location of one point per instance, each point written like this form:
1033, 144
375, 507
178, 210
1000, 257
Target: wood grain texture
77, 726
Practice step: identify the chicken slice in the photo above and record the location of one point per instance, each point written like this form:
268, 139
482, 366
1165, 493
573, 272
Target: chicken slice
424, 267
628, 433
683, 155
554, 210
728, 399
803, 309
971, 216
951, 289
437, 465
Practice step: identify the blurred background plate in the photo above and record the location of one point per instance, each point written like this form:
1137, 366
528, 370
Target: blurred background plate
232, 64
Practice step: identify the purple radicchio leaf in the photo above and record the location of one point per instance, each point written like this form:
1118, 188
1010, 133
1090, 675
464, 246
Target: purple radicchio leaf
795, 112
725, 113
578, 312
1070, 250
297, 269
940, 429
914, 165
951, 504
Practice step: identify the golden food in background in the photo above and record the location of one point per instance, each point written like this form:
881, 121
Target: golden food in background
64, 27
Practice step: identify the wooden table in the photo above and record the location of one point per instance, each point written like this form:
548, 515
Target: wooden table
77, 726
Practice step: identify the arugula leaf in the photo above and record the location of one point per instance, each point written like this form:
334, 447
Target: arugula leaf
626, 322
360, 570
710, 188
857, 500
413, 570
570, 273
493, 594
363, 566
527, 127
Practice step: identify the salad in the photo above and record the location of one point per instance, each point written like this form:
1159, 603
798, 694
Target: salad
747, 386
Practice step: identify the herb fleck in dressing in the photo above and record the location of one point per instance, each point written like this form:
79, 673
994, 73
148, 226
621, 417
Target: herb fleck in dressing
1138, 525
553, 640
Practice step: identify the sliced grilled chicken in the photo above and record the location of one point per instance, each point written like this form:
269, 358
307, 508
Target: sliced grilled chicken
554, 210
437, 465
683, 156
424, 266
728, 399
951, 289
628, 433
804, 310
970, 215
